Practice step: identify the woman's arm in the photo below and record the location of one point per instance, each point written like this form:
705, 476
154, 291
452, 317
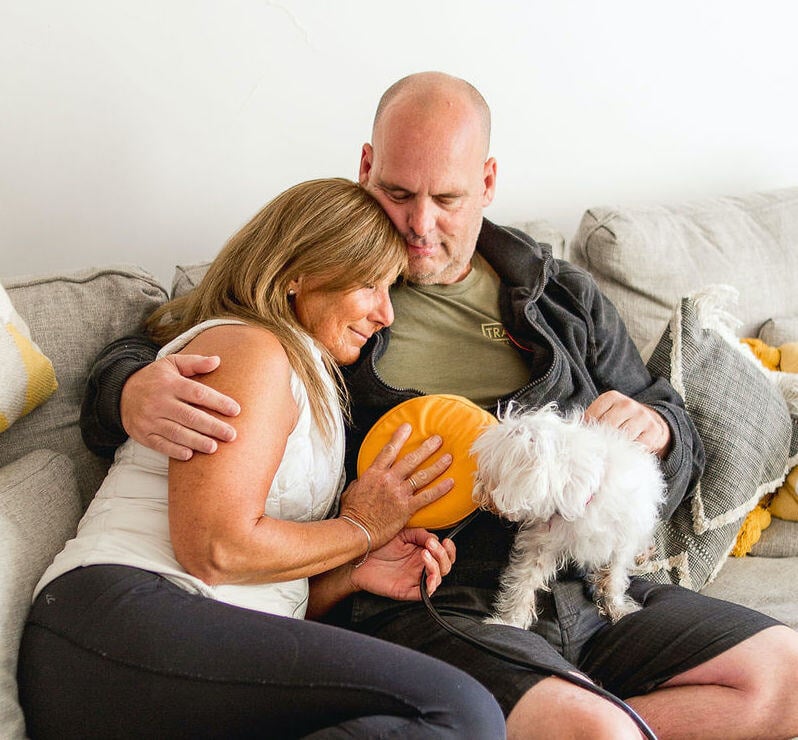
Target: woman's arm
393, 571
216, 502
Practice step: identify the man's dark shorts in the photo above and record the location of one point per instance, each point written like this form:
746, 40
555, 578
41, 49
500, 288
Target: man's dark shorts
676, 630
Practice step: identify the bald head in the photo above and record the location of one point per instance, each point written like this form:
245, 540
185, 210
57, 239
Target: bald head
428, 167
431, 95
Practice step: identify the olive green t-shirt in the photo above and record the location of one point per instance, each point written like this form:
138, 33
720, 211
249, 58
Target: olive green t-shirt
450, 339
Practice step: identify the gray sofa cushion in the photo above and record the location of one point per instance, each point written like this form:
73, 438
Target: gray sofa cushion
187, 277
39, 511
546, 233
779, 540
646, 258
72, 317
745, 424
764, 584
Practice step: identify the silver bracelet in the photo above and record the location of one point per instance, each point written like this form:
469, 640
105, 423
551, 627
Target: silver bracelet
368, 539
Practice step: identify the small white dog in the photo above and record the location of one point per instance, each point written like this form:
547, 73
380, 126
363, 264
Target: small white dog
581, 490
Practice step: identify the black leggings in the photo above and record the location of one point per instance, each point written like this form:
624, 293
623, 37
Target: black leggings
116, 652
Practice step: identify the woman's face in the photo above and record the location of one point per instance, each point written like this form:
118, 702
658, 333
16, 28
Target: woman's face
342, 321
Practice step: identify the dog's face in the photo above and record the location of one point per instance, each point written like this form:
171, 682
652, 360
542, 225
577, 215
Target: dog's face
530, 467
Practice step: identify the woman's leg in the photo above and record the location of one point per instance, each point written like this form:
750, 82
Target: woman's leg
115, 652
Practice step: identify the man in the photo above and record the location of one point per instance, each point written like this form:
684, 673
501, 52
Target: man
691, 666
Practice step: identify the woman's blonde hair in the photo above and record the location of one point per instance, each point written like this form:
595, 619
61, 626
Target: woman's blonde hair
331, 229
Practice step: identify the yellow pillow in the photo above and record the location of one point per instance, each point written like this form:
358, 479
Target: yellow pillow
459, 422
27, 378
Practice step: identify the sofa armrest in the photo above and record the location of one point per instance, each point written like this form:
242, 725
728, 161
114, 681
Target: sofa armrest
39, 511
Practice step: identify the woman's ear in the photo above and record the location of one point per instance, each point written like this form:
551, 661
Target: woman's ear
294, 286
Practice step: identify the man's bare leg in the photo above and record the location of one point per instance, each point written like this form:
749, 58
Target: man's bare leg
557, 710
747, 692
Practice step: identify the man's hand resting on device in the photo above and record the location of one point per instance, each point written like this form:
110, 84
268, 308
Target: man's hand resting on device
163, 409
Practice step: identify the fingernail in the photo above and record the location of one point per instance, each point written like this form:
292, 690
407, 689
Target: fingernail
447, 458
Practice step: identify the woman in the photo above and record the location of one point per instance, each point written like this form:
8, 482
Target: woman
177, 609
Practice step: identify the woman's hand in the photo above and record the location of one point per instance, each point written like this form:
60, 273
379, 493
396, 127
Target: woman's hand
391, 490
394, 570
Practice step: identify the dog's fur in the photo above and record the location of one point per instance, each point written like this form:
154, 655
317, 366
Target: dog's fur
581, 490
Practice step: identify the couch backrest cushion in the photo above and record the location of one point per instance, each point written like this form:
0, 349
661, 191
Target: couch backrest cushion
187, 277
645, 258
544, 232
71, 317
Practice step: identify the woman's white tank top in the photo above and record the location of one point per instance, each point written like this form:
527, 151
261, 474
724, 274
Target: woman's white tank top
127, 523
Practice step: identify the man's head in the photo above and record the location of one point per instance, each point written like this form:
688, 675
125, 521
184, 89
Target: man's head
428, 167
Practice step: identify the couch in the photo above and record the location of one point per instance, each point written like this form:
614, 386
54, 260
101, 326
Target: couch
646, 259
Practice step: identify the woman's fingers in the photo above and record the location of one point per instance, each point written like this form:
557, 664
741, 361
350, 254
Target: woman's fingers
407, 465
388, 454
421, 498
396, 486
420, 478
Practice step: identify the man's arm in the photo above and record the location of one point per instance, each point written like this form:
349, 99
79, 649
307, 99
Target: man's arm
156, 403
100, 420
618, 366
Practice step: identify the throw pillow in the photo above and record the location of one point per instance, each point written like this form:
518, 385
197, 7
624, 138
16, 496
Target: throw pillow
779, 331
744, 423
73, 315
39, 511
27, 378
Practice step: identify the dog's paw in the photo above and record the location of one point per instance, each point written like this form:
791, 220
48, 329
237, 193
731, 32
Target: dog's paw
620, 609
646, 556
496, 620
522, 624
510, 622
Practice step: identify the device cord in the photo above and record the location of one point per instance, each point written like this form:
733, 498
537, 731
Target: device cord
437, 615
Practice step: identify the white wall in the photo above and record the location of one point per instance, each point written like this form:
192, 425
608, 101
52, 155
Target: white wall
148, 131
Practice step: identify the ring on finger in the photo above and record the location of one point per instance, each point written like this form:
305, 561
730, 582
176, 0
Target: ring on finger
412, 482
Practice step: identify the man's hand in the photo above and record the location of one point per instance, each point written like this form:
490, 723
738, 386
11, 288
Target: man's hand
164, 410
638, 421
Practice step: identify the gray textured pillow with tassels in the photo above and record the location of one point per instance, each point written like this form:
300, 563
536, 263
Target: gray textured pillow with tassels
746, 428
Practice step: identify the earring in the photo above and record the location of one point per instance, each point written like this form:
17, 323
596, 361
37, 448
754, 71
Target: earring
291, 292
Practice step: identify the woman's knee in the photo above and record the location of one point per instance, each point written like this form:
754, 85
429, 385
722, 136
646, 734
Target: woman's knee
467, 709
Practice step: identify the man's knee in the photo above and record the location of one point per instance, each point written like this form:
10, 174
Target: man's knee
557, 708
764, 659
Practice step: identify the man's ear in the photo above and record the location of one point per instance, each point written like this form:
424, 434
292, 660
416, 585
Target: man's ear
489, 178
366, 162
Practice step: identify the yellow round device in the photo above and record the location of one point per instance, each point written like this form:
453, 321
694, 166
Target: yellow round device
459, 422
